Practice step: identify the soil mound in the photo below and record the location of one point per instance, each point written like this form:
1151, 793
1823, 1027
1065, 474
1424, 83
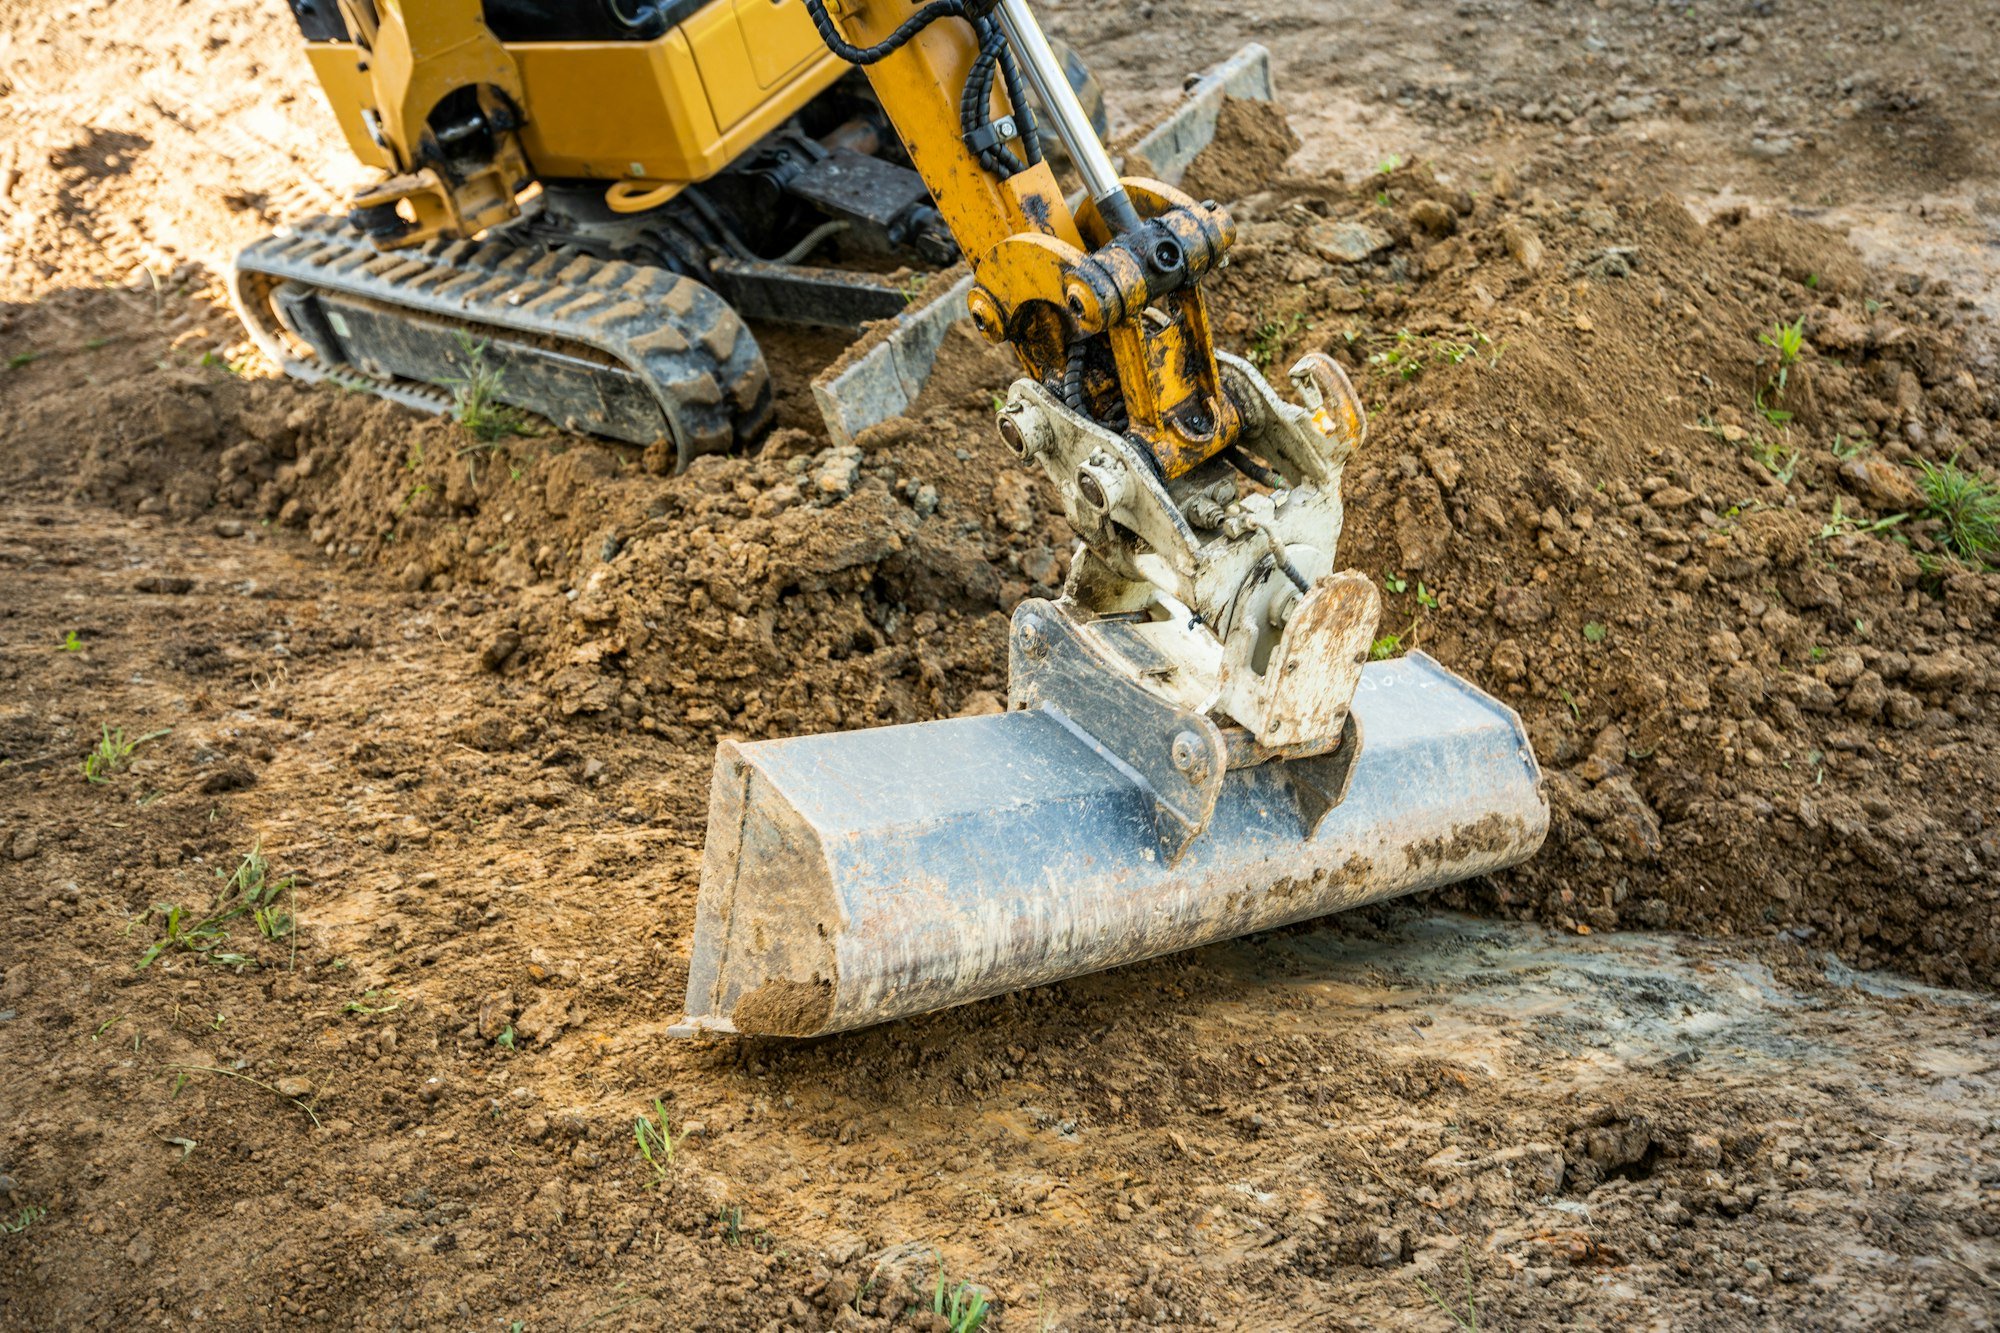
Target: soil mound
1658, 484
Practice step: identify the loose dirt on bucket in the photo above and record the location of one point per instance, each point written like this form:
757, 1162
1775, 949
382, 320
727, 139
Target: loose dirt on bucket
464, 696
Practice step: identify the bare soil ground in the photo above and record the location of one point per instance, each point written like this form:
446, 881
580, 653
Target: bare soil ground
464, 697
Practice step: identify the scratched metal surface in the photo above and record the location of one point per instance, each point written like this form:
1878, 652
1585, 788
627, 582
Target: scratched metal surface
905, 869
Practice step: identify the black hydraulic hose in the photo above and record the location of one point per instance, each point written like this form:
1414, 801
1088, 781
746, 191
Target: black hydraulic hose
976, 100
895, 41
1017, 97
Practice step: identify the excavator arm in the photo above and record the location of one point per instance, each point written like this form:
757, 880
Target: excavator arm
1209, 506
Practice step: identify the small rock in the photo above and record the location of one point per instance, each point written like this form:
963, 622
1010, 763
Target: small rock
1522, 244
1947, 670
499, 649
295, 1087
1836, 332
982, 703
27, 845
1432, 218
1445, 466
1508, 661
1670, 497
1520, 607
165, 585
1868, 697
229, 527
1881, 483
1347, 242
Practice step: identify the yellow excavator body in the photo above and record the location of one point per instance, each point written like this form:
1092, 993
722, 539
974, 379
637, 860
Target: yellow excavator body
670, 110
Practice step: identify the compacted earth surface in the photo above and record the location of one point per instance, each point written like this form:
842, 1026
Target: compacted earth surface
353, 769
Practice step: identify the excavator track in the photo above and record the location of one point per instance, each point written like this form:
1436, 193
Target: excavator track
628, 351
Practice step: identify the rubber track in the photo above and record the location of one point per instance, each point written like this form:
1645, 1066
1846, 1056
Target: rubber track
680, 338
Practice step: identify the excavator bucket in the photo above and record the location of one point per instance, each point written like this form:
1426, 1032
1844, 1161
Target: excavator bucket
862, 876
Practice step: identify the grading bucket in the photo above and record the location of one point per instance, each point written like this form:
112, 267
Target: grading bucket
861, 876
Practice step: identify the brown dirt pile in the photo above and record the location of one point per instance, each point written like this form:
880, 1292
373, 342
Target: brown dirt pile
1570, 494
1759, 693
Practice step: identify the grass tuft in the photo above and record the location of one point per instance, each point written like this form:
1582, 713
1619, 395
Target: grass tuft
1967, 504
250, 891
114, 753
655, 1138
476, 397
963, 1306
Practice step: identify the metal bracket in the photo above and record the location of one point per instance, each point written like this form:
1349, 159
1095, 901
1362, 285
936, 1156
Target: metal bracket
1079, 676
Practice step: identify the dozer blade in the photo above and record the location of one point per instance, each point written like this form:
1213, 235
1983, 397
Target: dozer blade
862, 876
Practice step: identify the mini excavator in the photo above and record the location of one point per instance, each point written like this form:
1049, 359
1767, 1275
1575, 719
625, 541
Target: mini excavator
597, 197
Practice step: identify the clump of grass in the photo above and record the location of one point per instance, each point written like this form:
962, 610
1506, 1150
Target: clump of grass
113, 754
372, 1002
1841, 522
22, 1220
1788, 341
1410, 354
655, 1138
1967, 504
1269, 343
1780, 458
250, 891
476, 397
1469, 1320
963, 1306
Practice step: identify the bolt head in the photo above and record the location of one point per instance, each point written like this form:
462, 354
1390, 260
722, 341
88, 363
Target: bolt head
1187, 752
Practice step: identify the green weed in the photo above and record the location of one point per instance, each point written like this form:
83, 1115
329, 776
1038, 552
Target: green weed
1426, 598
1844, 448
114, 753
1468, 1321
251, 891
963, 1306
1840, 522
1269, 343
1384, 647
475, 397
1788, 340
1594, 632
1967, 504
506, 1039
181, 1082
655, 1138
369, 1004
1780, 458
1388, 164
22, 1220
71, 643
1411, 354
22, 359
